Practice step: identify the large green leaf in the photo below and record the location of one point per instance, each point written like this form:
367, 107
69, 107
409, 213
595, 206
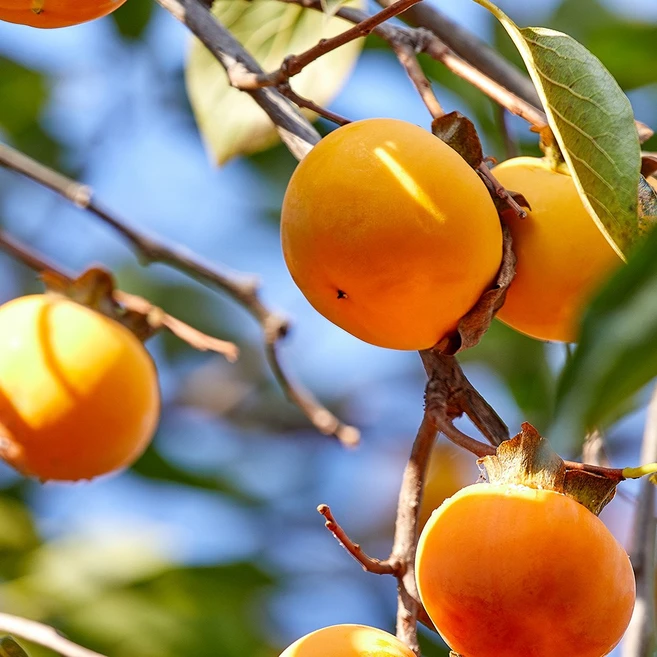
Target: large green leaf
592, 121
616, 354
230, 122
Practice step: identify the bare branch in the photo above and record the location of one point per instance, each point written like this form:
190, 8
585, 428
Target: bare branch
295, 131
406, 533
43, 635
294, 64
369, 564
407, 58
152, 249
639, 640
156, 318
287, 91
472, 49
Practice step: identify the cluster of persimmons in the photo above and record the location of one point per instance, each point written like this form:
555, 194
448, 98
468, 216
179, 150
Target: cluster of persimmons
392, 236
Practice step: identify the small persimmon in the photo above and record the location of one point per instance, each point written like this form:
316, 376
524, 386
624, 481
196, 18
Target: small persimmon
348, 641
506, 570
55, 13
79, 395
389, 233
563, 257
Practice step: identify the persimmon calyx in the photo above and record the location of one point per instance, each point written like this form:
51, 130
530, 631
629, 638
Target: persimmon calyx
95, 288
529, 460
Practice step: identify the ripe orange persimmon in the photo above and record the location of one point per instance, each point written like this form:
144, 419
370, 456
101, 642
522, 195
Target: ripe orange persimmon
389, 233
78, 392
510, 571
55, 13
562, 254
348, 641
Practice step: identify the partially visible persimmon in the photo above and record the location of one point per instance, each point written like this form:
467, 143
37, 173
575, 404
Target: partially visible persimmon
55, 13
563, 257
450, 469
506, 570
79, 394
348, 641
389, 233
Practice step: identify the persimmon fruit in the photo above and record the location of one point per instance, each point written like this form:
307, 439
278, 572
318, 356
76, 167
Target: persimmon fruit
55, 13
389, 233
79, 394
506, 570
563, 257
450, 468
348, 641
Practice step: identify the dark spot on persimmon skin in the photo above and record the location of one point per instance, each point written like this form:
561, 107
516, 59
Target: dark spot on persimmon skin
342, 295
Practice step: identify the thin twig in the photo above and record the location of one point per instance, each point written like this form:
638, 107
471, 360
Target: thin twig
300, 101
296, 132
408, 59
369, 564
639, 639
424, 40
241, 289
472, 49
155, 317
43, 635
406, 533
294, 64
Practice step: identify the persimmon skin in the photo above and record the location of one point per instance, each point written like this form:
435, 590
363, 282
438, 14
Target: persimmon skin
348, 641
79, 395
563, 257
511, 571
389, 233
55, 13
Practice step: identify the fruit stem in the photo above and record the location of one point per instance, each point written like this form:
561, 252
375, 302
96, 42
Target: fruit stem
641, 471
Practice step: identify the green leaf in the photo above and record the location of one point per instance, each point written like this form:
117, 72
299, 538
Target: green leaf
616, 354
132, 18
9, 648
230, 122
592, 121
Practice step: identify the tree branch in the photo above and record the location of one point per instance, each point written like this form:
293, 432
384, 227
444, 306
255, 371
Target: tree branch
406, 533
152, 318
294, 64
639, 639
296, 132
43, 635
369, 564
274, 327
472, 49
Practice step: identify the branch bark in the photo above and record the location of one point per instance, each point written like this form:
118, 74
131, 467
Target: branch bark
152, 249
43, 635
296, 132
639, 640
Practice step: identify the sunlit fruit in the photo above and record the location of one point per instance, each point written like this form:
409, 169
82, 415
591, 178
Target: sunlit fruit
450, 469
348, 641
55, 13
79, 394
389, 233
563, 256
511, 571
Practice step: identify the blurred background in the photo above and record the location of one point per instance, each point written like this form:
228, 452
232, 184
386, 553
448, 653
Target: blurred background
211, 544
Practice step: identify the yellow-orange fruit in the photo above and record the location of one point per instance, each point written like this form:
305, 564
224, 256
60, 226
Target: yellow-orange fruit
55, 13
563, 256
511, 571
389, 233
450, 469
348, 641
79, 394
652, 181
